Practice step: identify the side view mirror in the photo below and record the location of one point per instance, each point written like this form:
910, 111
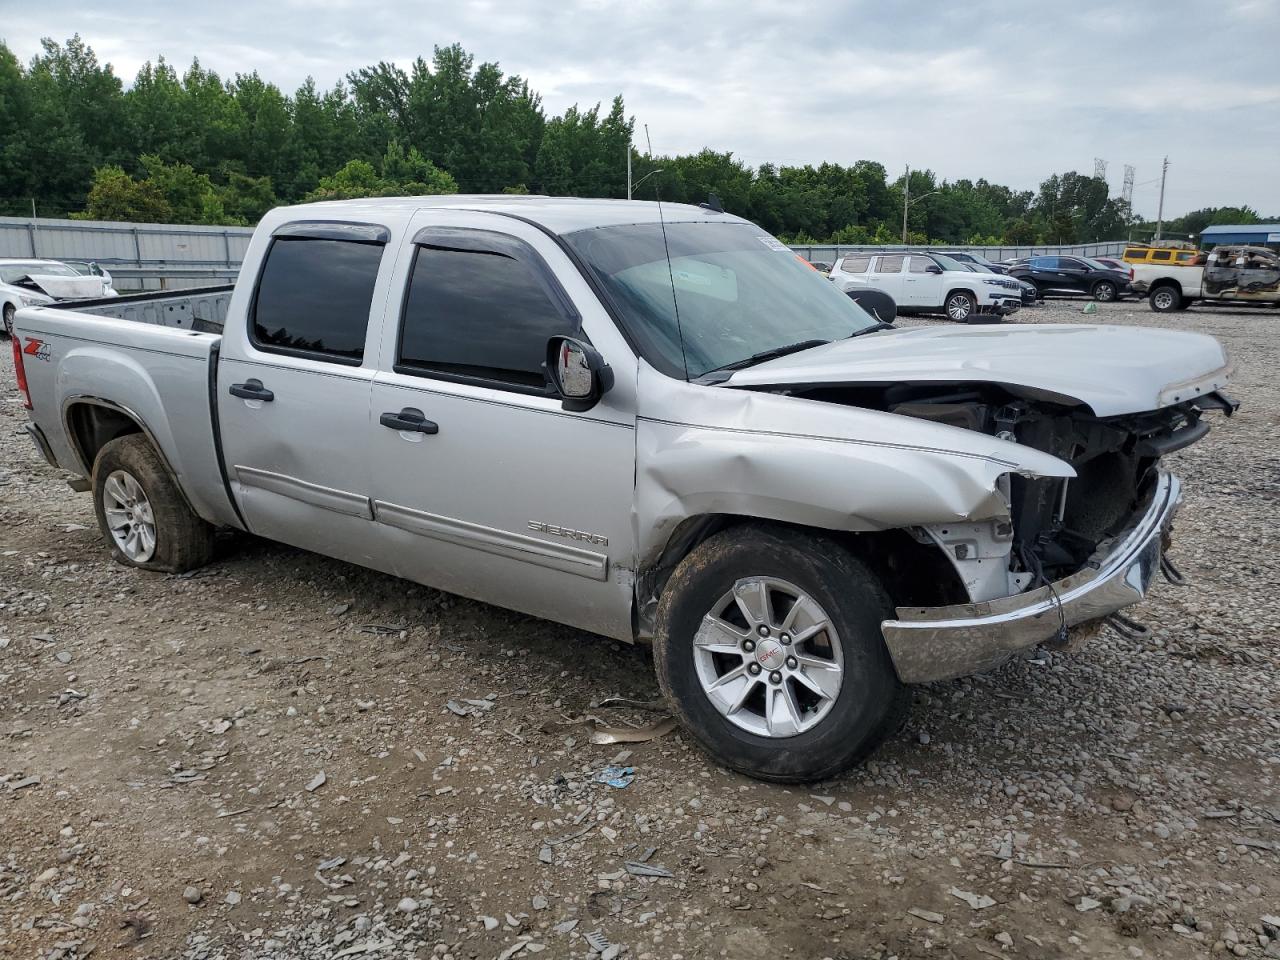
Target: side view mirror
578, 373
933, 268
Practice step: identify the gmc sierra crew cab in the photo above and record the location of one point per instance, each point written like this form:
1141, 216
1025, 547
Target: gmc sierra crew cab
651, 422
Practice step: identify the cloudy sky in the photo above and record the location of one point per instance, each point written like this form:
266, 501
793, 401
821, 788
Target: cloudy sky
1007, 91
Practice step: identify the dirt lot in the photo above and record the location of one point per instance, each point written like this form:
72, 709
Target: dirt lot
162, 738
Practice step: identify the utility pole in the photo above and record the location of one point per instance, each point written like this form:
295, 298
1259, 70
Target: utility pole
1164, 172
628, 169
1127, 192
906, 197
648, 142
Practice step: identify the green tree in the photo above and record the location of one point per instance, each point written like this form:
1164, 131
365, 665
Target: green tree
117, 196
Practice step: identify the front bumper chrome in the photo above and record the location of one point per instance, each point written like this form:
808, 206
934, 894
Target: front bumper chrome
939, 643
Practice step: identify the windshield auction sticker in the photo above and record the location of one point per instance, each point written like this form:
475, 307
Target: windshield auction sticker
773, 243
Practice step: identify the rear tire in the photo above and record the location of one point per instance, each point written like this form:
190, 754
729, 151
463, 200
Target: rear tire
9, 311
960, 306
142, 513
772, 724
1165, 299
1104, 291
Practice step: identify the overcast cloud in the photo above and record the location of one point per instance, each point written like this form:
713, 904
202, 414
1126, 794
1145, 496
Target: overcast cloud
1010, 92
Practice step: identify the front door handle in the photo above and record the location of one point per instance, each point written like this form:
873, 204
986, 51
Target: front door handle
410, 419
252, 390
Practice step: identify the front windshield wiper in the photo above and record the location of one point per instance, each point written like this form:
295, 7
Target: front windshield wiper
878, 325
771, 354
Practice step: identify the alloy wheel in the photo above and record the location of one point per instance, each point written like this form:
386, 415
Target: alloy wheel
768, 658
129, 516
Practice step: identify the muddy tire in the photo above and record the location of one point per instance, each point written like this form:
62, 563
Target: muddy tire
142, 515
768, 648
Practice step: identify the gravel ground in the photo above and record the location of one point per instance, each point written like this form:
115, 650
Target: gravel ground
258, 760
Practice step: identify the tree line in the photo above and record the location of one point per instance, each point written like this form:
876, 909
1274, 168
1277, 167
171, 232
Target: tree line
194, 147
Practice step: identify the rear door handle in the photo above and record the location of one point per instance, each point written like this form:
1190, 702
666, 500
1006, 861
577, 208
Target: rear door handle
252, 390
410, 419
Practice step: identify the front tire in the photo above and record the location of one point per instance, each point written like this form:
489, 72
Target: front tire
141, 512
960, 306
9, 311
768, 647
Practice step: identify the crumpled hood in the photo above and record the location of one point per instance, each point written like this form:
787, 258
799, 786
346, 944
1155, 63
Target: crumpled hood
1113, 370
68, 288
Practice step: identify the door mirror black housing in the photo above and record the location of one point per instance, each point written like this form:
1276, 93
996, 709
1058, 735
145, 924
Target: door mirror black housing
578, 373
933, 268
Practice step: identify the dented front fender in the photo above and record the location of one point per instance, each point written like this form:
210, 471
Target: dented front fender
707, 450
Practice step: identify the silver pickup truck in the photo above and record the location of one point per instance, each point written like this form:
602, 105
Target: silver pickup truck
648, 422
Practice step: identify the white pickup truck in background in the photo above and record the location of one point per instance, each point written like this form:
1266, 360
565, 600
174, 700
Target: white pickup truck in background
1231, 274
648, 422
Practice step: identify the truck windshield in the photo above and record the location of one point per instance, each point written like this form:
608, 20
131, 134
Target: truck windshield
736, 291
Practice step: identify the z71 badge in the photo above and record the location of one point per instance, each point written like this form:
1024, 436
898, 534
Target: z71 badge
557, 531
36, 348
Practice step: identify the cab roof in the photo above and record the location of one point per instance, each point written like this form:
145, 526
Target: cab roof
558, 214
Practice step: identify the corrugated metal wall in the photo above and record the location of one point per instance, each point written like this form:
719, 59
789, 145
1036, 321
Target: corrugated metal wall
139, 255
152, 256
828, 253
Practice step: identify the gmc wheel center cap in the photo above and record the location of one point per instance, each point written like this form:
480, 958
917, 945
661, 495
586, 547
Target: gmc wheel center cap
770, 655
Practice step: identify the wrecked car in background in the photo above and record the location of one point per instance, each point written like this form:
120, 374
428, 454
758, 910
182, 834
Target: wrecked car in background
1230, 274
27, 283
647, 422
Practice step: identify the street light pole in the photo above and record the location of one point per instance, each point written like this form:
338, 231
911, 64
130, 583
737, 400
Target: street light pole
906, 201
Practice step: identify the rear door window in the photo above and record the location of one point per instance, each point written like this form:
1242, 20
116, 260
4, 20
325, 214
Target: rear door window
890, 265
314, 296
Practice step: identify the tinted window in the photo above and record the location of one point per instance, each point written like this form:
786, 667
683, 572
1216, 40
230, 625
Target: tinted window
890, 265
1043, 263
1161, 255
314, 296
855, 264
1135, 253
478, 314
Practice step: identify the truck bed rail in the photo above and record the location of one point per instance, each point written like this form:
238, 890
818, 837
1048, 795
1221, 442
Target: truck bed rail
202, 309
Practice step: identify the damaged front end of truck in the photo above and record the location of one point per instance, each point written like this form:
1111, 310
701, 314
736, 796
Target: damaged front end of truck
1073, 518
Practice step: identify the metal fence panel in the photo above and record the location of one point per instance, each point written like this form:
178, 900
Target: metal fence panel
143, 256
829, 253
133, 252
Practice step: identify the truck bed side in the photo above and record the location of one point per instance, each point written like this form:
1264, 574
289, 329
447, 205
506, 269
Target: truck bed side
1186, 279
93, 378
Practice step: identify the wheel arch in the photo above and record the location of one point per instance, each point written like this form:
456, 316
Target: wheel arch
960, 289
914, 573
93, 422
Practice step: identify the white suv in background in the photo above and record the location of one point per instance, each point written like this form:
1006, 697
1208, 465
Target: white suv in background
930, 283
